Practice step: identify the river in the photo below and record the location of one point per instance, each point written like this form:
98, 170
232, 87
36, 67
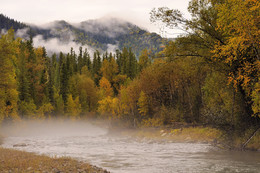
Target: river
122, 154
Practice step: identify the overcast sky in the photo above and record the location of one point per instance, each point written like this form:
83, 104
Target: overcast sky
44, 11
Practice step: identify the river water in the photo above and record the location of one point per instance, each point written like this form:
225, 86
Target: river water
122, 154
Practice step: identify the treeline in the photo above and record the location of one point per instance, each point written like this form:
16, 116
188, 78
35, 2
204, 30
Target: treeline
7, 23
34, 85
208, 76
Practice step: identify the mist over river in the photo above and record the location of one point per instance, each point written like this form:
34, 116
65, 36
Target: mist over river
95, 145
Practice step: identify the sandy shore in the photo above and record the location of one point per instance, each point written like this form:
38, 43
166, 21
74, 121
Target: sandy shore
19, 161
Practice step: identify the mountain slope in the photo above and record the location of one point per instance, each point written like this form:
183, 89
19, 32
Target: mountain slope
7, 23
99, 34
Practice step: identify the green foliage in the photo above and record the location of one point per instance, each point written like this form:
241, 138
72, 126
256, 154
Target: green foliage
64, 79
28, 109
144, 59
58, 103
219, 106
87, 93
96, 67
45, 110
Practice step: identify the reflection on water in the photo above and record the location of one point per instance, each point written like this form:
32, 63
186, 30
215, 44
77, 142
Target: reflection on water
123, 154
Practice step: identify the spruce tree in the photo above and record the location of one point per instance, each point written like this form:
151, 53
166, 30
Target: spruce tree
80, 60
64, 79
31, 62
96, 67
86, 60
23, 83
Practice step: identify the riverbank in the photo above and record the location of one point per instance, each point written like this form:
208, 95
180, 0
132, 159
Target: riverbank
188, 135
1, 139
197, 134
19, 161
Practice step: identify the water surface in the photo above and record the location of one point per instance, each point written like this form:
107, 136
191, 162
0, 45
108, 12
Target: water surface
127, 155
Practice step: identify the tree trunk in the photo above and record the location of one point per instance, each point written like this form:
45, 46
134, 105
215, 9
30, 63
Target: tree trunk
244, 145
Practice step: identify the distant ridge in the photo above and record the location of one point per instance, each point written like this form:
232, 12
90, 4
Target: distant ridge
98, 33
7, 23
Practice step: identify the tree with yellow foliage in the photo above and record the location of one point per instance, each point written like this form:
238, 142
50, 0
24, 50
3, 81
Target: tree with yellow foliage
105, 87
144, 60
73, 107
143, 104
109, 69
8, 83
239, 21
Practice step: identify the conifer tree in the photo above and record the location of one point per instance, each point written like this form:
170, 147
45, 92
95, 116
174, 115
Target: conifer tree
31, 62
86, 60
23, 83
96, 67
64, 79
80, 60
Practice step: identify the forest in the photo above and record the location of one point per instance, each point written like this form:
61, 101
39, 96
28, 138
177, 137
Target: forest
208, 76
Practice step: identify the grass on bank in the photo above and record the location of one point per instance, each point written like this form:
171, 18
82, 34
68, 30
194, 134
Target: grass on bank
189, 134
19, 161
197, 135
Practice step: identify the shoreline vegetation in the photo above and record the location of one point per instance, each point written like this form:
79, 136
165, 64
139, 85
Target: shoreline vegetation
195, 134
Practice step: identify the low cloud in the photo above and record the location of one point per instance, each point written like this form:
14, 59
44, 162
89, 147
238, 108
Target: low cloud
22, 33
54, 45
107, 26
3, 31
112, 48
63, 38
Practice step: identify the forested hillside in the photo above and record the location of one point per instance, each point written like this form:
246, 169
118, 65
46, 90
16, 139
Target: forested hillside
209, 76
7, 23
